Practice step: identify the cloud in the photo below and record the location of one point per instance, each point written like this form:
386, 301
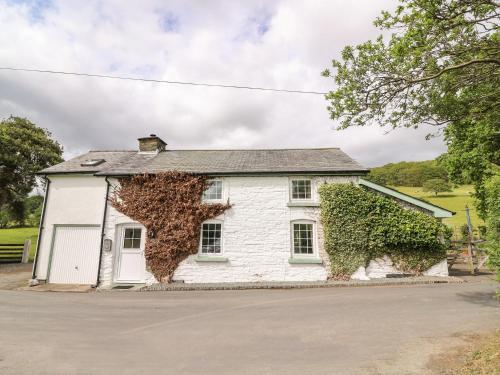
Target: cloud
282, 44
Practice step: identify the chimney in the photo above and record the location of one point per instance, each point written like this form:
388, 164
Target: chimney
151, 144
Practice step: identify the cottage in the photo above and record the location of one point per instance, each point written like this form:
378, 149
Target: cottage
272, 231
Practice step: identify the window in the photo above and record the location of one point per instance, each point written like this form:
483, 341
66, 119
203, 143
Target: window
132, 238
301, 189
92, 162
211, 238
214, 191
303, 238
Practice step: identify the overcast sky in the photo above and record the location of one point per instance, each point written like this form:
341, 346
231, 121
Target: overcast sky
278, 44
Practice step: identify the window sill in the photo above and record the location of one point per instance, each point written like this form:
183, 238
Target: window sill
206, 258
305, 261
303, 204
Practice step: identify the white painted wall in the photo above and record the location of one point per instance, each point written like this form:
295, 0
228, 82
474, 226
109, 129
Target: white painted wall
256, 235
380, 267
72, 199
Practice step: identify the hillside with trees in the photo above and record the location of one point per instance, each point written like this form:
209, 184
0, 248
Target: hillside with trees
408, 173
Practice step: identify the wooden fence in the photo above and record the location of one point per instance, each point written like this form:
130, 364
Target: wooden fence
15, 252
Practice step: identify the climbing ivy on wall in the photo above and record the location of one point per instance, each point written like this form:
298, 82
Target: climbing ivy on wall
360, 225
169, 205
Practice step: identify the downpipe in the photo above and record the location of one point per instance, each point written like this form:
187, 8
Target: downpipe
102, 232
34, 280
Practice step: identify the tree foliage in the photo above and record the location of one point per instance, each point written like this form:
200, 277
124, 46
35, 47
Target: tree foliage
437, 185
439, 66
360, 225
169, 205
493, 224
24, 150
413, 173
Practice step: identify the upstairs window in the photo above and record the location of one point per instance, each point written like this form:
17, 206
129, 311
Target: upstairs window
214, 191
211, 238
301, 189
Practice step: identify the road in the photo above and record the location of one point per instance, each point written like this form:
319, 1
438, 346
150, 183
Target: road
366, 330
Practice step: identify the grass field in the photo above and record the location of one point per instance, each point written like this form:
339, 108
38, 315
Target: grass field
18, 235
454, 201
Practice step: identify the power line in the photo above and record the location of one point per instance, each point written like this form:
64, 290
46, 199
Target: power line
162, 81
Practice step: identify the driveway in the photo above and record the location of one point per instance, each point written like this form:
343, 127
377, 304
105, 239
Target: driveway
375, 330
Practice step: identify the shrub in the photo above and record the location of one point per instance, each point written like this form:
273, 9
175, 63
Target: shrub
4, 218
360, 225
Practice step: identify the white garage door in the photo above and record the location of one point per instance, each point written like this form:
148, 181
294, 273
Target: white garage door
75, 254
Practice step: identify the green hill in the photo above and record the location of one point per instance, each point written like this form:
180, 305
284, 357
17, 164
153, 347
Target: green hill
407, 173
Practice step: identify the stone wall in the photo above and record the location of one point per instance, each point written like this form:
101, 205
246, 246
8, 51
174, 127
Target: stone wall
256, 235
381, 267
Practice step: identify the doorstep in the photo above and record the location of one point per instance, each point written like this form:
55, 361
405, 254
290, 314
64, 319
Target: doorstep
417, 280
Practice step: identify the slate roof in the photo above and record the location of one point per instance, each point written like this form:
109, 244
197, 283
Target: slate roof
214, 162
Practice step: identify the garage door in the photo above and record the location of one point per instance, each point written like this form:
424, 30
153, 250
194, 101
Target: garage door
75, 254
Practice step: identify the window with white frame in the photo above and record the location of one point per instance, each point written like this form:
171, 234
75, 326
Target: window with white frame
301, 189
211, 238
303, 238
214, 191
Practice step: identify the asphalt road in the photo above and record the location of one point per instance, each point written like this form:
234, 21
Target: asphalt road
368, 330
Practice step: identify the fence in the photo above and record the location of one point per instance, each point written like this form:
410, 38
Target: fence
15, 252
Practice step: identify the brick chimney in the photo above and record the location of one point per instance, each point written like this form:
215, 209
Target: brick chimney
151, 144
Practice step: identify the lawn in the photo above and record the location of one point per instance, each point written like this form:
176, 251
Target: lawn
454, 201
18, 235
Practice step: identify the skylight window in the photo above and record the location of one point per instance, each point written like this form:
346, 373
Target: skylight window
92, 162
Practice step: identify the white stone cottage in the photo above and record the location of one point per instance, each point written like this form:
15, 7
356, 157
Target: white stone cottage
272, 232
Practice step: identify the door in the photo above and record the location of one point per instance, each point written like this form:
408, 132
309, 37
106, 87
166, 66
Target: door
131, 262
75, 254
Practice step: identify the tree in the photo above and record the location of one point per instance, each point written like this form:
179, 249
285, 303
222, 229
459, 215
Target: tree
436, 185
24, 150
439, 66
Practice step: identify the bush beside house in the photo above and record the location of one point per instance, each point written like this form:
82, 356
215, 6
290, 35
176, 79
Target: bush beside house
360, 226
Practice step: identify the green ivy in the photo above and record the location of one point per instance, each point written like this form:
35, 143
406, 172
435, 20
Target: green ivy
360, 225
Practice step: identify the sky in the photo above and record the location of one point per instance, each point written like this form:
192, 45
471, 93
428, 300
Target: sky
278, 44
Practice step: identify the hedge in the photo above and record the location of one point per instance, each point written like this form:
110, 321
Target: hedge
360, 225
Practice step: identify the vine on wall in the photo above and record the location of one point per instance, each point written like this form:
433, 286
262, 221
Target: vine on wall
360, 225
169, 205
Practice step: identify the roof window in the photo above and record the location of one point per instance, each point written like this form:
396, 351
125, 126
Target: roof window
92, 162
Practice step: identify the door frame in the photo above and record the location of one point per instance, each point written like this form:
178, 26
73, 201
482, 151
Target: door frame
119, 234
53, 240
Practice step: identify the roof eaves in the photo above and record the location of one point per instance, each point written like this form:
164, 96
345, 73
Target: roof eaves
357, 172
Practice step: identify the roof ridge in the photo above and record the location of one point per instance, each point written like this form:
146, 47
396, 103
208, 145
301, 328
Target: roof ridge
255, 149
111, 151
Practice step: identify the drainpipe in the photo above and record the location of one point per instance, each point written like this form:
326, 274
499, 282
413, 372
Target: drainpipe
40, 227
102, 231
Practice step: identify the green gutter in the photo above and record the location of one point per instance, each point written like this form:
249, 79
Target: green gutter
437, 211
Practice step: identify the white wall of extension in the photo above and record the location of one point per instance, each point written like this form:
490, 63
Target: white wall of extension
72, 200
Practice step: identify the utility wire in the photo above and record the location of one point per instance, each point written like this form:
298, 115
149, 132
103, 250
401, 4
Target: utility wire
162, 81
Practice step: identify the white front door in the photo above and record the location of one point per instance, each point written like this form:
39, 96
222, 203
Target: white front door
131, 262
